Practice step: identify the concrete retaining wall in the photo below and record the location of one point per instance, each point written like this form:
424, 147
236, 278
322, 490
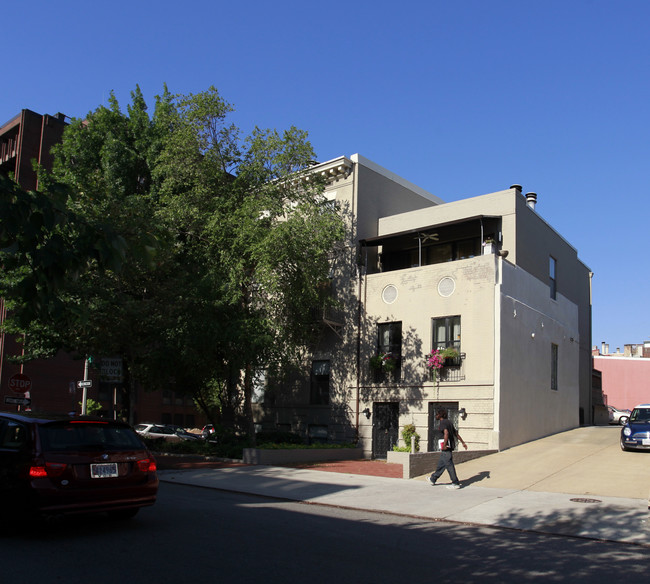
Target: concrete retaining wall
421, 463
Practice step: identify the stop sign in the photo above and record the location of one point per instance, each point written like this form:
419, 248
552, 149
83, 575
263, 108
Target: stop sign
20, 383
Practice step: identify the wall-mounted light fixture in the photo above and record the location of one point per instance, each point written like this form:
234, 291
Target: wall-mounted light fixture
366, 413
462, 413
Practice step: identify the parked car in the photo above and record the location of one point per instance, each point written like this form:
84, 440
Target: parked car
184, 434
166, 431
156, 431
208, 432
617, 416
58, 465
635, 435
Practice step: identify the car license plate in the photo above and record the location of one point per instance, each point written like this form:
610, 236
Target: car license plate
646, 441
105, 470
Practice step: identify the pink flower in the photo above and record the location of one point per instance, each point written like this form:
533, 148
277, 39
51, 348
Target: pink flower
434, 360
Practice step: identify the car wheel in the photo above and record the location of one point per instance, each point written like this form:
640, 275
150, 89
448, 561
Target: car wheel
123, 514
623, 420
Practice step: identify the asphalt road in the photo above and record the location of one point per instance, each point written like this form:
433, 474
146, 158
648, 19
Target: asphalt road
198, 535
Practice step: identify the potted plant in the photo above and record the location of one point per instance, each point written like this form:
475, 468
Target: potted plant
435, 362
388, 362
375, 362
450, 356
439, 358
384, 365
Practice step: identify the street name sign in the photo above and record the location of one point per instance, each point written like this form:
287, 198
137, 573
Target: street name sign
18, 401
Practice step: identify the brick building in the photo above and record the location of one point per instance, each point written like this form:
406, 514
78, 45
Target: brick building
625, 374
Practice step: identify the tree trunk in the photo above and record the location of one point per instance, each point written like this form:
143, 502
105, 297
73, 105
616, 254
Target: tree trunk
248, 402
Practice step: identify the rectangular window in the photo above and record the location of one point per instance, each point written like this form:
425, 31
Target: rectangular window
389, 343
446, 333
320, 383
438, 254
317, 433
554, 357
552, 270
467, 248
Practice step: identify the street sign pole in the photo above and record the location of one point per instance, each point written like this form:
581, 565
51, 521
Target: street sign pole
85, 389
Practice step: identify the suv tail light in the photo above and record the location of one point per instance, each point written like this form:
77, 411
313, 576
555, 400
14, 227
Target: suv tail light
147, 465
51, 469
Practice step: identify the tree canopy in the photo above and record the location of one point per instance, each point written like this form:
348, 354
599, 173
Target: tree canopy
237, 247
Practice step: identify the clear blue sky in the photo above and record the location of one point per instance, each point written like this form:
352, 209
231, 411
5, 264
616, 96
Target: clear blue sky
461, 97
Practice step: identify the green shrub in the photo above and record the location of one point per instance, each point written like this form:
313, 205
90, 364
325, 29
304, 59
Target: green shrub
92, 407
407, 433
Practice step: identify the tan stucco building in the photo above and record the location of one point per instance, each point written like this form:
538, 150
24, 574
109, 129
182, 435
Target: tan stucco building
485, 277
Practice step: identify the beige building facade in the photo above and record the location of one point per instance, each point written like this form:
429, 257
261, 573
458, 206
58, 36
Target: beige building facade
484, 279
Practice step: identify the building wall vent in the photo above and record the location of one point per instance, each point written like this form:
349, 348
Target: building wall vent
389, 294
446, 287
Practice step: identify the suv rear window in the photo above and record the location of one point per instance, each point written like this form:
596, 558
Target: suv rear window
80, 436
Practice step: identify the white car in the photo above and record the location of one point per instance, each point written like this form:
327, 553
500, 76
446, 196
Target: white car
617, 416
157, 431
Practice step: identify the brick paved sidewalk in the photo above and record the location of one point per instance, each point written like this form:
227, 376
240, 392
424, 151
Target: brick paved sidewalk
376, 468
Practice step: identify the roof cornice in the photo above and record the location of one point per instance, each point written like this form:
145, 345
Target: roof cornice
333, 170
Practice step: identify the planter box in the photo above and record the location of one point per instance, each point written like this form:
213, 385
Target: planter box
421, 463
289, 456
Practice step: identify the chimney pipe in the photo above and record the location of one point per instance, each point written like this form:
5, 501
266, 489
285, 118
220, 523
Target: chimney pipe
517, 188
531, 200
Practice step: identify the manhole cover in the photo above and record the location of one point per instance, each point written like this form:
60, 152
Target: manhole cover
579, 500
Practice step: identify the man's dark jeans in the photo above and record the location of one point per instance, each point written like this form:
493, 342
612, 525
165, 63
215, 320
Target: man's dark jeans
445, 462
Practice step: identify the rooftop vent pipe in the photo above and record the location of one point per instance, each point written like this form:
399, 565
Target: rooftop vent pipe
517, 188
531, 200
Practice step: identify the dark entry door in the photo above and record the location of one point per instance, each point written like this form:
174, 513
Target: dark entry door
434, 425
385, 428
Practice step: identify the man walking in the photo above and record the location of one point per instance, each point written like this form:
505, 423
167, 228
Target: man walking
447, 446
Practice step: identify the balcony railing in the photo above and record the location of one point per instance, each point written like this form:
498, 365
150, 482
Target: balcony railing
452, 370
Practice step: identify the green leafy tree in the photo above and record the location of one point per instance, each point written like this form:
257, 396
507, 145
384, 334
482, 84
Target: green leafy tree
44, 246
263, 236
107, 160
92, 407
241, 244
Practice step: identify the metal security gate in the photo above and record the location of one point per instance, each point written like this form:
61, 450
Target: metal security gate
385, 428
434, 425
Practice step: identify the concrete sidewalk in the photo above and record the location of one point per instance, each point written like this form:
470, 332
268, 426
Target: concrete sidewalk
547, 486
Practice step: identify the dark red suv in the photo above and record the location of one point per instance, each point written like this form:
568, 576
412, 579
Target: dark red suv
58, 465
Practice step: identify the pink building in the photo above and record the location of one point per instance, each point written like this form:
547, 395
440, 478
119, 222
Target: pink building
625, 376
